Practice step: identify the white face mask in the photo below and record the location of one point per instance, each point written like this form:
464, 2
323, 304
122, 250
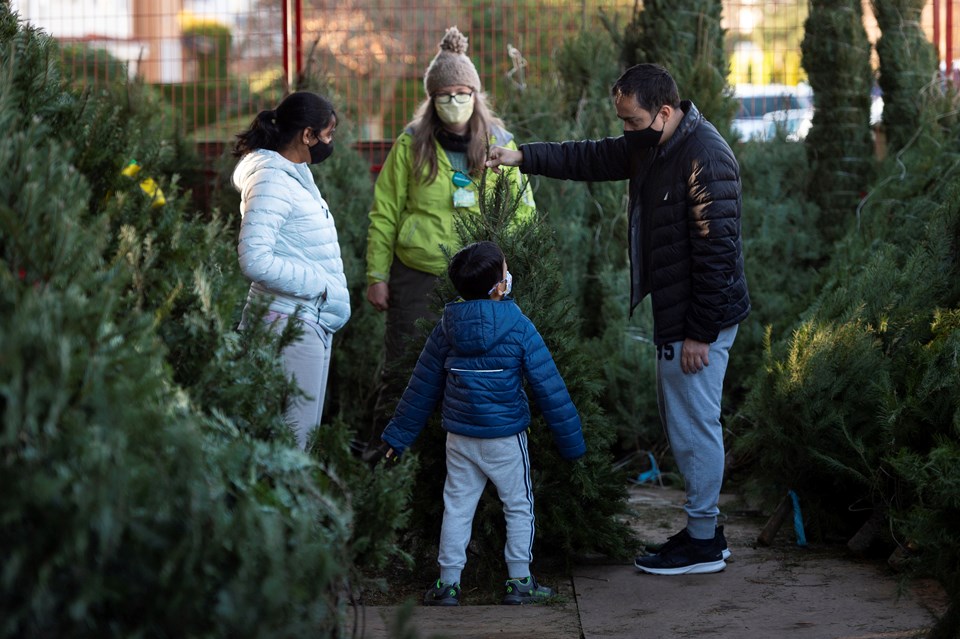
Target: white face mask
509, 282
454, 113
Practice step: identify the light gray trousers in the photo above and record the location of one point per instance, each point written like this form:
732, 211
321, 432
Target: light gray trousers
307, 360
470, 463
690, 412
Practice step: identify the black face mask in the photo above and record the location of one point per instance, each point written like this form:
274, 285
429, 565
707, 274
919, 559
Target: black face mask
644, 139
320, 151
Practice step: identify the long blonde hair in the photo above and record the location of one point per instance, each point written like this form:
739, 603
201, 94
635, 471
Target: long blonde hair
426, 124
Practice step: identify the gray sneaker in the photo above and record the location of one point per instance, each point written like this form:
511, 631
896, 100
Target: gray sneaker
525, 591
442, 594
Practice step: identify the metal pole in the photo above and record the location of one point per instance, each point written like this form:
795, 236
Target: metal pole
936, 29
949, 41
298, 46
285, 22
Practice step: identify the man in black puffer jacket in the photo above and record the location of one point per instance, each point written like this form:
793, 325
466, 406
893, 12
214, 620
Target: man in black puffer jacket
686, 252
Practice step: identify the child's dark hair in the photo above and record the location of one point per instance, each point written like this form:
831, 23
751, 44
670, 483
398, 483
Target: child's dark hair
273, 129
475, 269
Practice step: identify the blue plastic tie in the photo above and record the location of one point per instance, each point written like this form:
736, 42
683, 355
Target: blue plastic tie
649, 475
798, 519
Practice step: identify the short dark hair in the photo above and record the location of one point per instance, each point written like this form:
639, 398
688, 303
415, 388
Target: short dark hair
274, 128
650, 84
475, 269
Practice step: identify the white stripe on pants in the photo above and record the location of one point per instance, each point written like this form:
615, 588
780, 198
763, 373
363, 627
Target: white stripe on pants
470, 462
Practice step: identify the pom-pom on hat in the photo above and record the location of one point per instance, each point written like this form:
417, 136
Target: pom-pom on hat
451, 66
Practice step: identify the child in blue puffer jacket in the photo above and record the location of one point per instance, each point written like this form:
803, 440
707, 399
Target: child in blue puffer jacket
475, 360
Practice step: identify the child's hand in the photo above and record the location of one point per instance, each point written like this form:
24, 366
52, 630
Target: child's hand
390, 457
386, 453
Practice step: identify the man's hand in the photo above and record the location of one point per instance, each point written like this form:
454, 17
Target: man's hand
694, 356
379, 295
500, 156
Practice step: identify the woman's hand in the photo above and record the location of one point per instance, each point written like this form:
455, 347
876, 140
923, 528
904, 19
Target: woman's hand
379, 296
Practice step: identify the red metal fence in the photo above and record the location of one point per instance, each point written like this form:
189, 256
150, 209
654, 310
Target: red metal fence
220, 61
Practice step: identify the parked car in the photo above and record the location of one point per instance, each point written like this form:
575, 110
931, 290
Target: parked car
756, 101
795, 123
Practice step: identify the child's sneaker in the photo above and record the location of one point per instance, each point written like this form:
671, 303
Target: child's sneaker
525, 591
442, 594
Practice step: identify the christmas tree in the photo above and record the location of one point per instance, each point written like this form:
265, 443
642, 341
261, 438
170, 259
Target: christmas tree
579, 505
149, 485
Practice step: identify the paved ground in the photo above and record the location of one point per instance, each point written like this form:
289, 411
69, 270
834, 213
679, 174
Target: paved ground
764, 593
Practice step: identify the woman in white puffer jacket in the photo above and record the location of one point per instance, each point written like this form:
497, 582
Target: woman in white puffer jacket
288, 244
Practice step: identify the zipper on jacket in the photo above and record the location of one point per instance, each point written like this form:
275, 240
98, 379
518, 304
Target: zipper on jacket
474, 370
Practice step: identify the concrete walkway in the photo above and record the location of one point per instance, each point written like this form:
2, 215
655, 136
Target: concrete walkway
764, 593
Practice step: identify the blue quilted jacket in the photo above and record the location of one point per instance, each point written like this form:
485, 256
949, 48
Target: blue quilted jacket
475, 361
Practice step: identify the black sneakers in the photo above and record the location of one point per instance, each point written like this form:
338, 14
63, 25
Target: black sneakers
721, 541
525, 591
718, 539
683, 555
442, 594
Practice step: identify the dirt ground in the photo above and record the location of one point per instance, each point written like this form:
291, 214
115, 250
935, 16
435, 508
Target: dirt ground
781, 590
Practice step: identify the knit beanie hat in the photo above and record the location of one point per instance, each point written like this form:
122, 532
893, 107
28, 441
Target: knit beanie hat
451, 66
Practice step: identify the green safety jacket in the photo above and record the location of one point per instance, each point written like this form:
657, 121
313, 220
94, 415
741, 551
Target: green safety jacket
412, 218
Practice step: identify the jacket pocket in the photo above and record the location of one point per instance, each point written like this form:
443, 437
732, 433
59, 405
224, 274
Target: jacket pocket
407, 231
475, 386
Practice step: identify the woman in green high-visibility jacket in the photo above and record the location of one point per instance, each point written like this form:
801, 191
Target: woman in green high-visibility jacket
430, 176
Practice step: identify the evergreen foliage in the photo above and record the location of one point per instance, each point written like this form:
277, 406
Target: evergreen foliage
858, 410
149, 485
579, 505
589, 221
346, 183
783, 251
687, 39
836, 57
908, 63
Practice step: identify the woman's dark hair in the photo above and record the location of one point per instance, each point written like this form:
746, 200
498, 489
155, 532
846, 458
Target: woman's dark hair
475, 269
650, 84
273, 129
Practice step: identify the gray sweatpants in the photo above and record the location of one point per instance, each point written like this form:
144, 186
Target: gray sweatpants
307, 360
470, 463
690, 412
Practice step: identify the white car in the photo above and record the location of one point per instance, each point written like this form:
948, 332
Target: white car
758, 100
795, 123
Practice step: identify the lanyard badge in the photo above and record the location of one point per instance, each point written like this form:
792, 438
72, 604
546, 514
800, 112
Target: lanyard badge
462, 197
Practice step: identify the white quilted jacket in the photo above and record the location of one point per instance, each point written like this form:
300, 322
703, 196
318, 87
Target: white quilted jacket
288, 244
